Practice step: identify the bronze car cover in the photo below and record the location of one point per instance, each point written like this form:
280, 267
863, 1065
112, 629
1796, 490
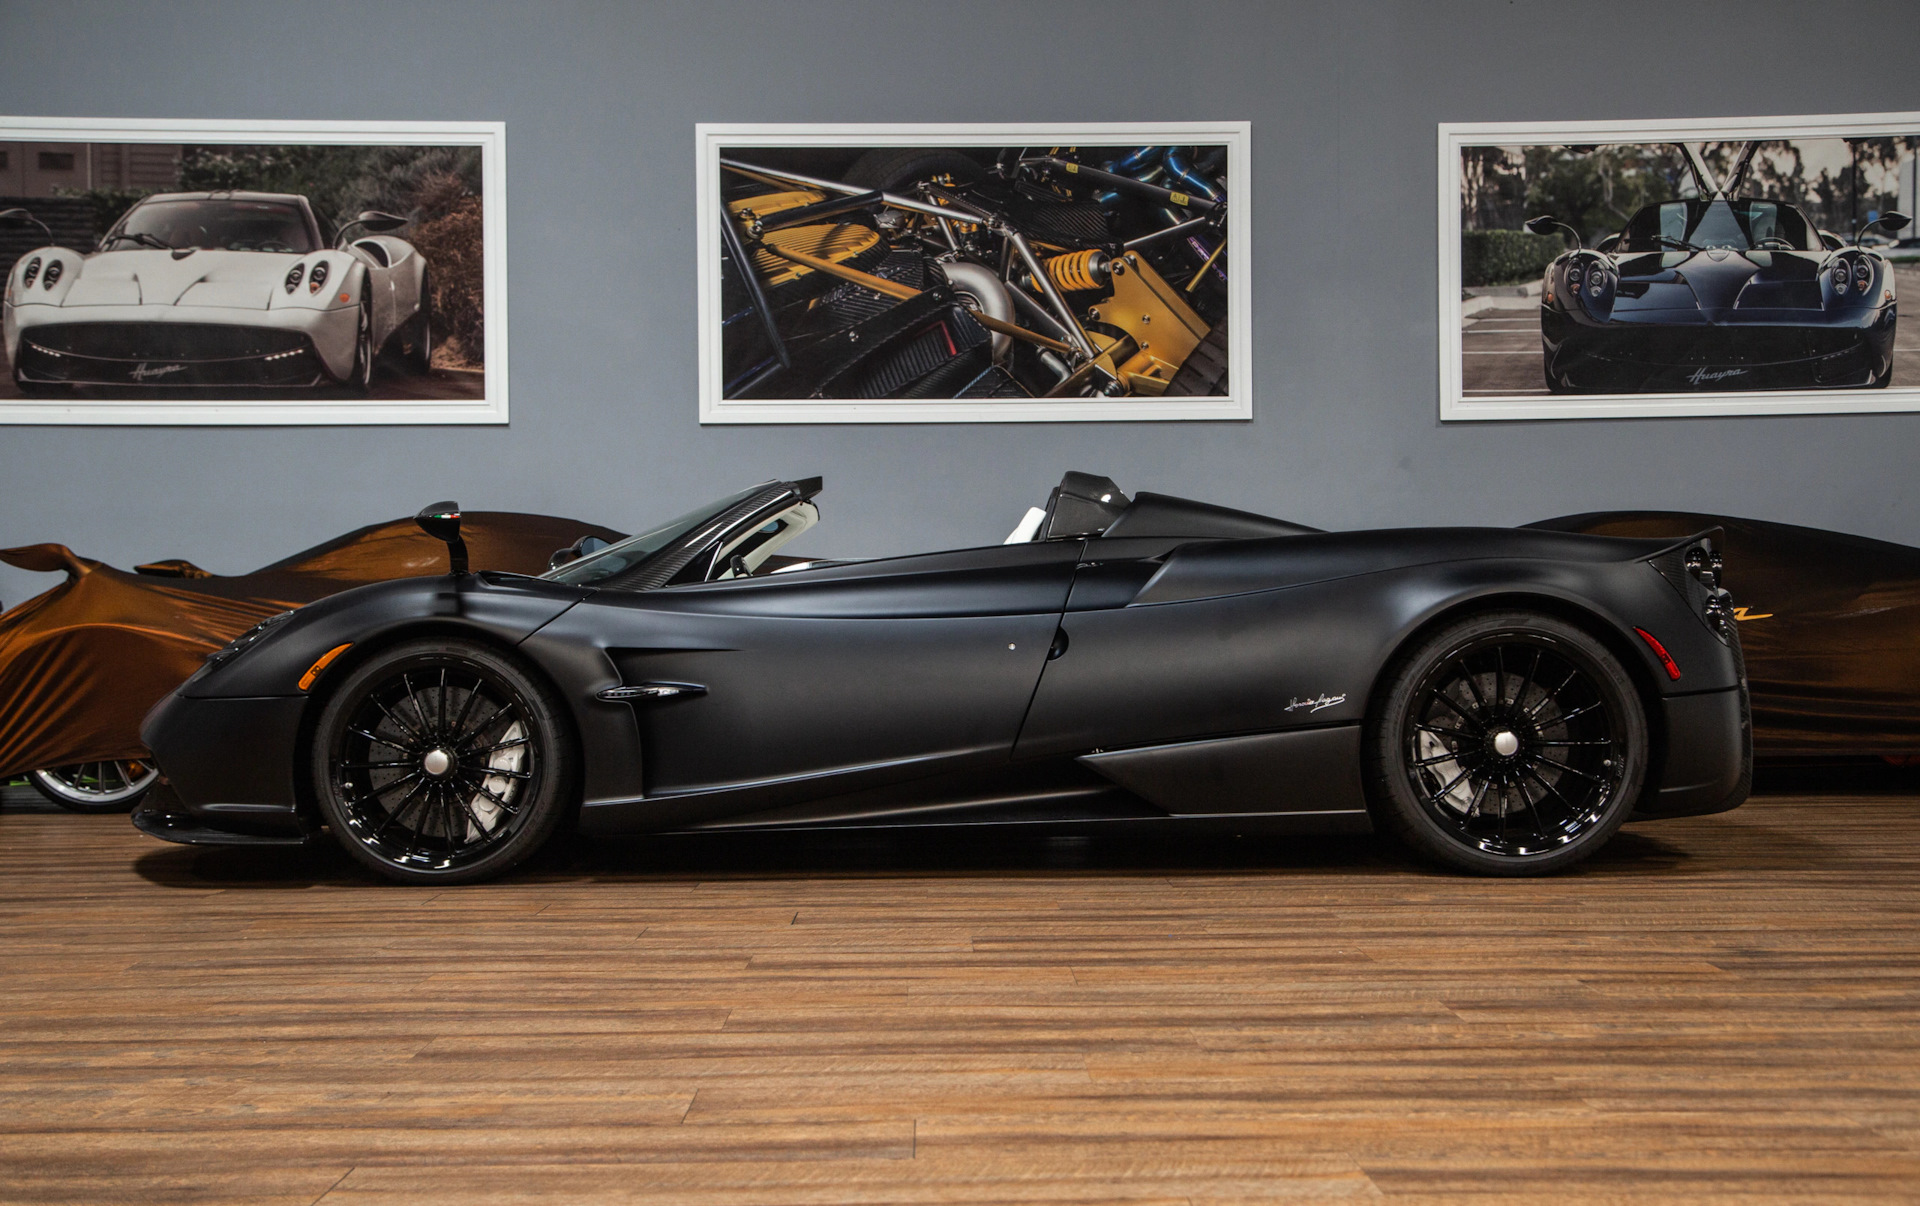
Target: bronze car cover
81, 664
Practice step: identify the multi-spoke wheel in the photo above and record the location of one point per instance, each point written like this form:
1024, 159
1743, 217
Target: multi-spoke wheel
1508, 744
442, 761
110, 786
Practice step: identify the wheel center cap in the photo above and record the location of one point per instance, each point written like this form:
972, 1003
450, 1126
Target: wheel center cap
1505, 743
437, 762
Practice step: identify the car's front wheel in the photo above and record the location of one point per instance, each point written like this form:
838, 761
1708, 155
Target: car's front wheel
442, 761
1510, 743
106, 786
364, 351
419, 332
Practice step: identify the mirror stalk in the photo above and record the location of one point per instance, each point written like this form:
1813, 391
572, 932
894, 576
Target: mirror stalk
441, 521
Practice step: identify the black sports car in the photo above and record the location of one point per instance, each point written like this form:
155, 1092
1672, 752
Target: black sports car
1501, 699
1717, 292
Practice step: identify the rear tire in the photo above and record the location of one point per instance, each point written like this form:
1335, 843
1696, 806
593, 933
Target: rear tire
443, 761
891, 169
1510, 743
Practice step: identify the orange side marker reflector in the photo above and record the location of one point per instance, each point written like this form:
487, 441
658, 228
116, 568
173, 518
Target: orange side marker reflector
326, 659
343, 297
1659, 651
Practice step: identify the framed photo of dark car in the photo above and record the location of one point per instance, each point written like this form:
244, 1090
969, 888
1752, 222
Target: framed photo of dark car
1728, 266
973, 273
206, 272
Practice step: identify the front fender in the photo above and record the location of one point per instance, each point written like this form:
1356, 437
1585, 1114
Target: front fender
502, 608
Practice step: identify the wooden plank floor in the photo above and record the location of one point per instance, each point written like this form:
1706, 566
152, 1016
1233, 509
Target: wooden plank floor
1717, 1009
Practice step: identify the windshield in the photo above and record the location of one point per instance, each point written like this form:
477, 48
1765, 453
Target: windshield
624, 555
215, 224
1742, 224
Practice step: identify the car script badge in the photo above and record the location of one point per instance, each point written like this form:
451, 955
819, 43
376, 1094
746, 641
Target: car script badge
145, 373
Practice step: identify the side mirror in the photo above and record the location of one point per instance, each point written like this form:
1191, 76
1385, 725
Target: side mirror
372, 221
1608, 244
1545, 224
378, 222
1894, 220
441, 521
24, 216
573, 552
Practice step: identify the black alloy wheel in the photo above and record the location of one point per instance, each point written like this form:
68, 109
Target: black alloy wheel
1507, 744
106, 786
442, 761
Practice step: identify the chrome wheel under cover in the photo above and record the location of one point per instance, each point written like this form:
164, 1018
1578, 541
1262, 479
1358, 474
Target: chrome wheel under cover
1512, 746
97, 784
436, 764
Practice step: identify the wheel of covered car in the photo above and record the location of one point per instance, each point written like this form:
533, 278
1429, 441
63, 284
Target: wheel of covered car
363, 349
442, 761
1506, 744
420, 328
108, 786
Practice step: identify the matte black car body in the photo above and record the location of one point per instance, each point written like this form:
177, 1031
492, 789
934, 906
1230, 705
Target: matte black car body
1141, 660
1719, 292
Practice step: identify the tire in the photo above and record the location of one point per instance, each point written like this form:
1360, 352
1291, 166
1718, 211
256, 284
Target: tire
419, 337
1475, 762
364, 351
893, 168
443, 761
1204, 372
108, 786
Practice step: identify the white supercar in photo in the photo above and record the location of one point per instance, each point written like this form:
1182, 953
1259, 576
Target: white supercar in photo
218, 289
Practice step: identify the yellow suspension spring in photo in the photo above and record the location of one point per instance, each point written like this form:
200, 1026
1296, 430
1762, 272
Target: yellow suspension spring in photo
1080, 270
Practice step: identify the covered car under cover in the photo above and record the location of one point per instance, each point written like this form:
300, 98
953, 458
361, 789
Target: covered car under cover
81, 664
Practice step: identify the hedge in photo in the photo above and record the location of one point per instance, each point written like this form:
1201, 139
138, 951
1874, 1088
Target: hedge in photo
1505, 257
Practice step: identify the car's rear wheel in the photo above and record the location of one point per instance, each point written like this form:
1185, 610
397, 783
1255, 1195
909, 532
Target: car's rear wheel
442, 761
893, 169
105, 786
1510, 743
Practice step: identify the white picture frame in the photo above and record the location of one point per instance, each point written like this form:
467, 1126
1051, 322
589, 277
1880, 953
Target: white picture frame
1458, 403
92, 406
712, 140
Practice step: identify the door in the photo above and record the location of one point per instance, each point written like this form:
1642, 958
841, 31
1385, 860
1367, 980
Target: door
911, 663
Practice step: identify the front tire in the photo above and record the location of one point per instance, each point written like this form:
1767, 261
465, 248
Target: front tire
364, 352
107, 786
419, 337
443, 761
1510, 743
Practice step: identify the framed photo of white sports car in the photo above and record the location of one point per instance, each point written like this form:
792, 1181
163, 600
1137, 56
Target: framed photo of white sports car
269, 272
1724, 266
974, 273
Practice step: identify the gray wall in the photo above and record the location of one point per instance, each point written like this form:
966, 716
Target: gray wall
600, 102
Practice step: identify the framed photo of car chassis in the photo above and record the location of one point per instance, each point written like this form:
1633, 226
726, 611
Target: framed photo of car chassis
253, 272
1714, 266
974, 273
